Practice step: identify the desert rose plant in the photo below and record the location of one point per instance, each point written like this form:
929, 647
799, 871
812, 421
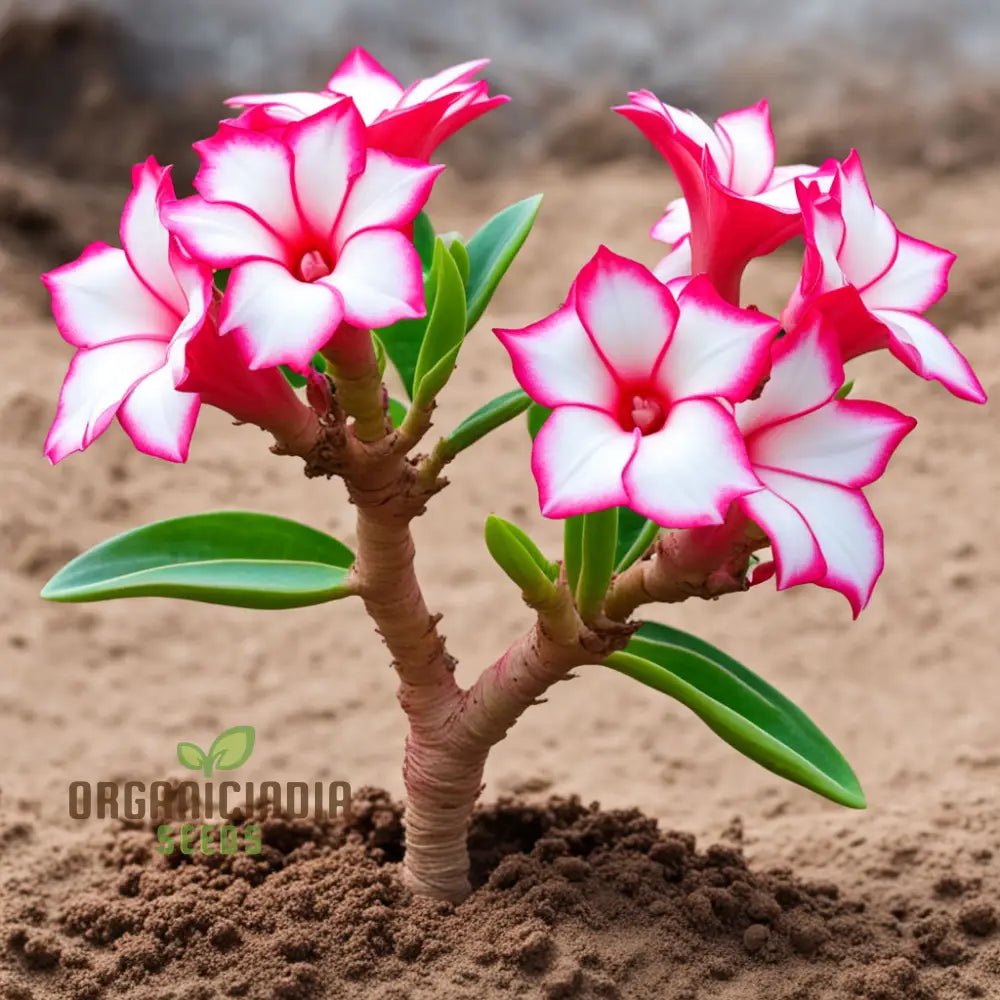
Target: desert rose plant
677, 432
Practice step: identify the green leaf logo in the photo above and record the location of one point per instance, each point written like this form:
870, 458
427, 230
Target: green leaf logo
230, 750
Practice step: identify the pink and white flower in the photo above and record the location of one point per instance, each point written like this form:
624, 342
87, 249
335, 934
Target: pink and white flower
312, 224
130, 314
737, 204
640, 385
410, 122
814, 453
888, 279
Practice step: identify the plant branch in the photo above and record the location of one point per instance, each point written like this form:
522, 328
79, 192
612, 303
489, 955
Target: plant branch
697, 562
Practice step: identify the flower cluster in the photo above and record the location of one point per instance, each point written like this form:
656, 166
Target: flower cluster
667, 396
308, 201
670, 399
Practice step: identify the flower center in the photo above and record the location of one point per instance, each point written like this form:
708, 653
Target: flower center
313, 266
647, 414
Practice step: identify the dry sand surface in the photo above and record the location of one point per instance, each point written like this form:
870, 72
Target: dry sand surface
896, 902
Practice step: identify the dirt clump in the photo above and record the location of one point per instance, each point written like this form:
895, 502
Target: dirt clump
570, 902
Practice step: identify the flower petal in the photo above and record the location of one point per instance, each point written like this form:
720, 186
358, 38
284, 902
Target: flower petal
288, 107
379, 277
677, 263
98, 299
797, 555
717, 349
372, 87
329, 153
578, 459
845, 529
97, 382
925, 350
806, 372
450, 80
390, 193
144, 237
675, 223
870, 238
688, 473
222, 234
628, 313
556, 363
848, 442
159, 418
252, 170
917, 279
275, 319
751, 140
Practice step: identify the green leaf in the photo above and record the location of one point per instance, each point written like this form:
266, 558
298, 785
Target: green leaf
845, 390
741, 707
232, 748
446, 328
227, 557
537, 415
191, 756
461, 256
573, 549
221, 278
380, 355
635, 535
397, 412
518, 556
402, 340
597, 561
493, 249
423, 240
436, 379
487, 418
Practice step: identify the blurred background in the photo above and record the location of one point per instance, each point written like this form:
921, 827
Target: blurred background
89, 87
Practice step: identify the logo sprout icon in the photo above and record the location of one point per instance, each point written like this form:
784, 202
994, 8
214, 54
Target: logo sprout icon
229, 751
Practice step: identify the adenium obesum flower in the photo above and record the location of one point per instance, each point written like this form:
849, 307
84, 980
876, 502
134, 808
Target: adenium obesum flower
888, 280
129, 313
813, 453
144, 322
410, 122
311, 223
640, 385
737, 204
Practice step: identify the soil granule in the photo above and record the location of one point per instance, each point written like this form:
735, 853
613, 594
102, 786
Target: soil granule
570, 902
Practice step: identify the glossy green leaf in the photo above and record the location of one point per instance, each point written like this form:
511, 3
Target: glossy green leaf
226, 557
742, 708
445, 329
493, 249
397, 412
461, 257
487, 418
423, 240
597, 561
221, 278
402, 340
573, 549
635, 535
518, 556
537, 415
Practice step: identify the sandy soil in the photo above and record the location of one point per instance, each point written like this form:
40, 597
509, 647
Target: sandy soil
910, 692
